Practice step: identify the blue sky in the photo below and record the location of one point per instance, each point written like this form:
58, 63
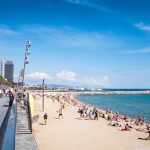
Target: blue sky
94, 43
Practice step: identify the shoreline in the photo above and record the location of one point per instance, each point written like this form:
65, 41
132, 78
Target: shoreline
105, 93
74, 132
77, 94
104, 110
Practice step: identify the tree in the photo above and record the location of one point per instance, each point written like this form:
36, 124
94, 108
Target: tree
3, 81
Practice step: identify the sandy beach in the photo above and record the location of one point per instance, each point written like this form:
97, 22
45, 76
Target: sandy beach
74, 133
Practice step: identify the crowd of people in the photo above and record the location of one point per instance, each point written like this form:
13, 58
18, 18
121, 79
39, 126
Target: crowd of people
89, 112
11, 92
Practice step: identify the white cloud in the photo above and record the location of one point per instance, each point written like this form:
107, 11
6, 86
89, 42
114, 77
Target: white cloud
146, 50
66, 75
87, 3
68, 78
104, 81
38, 29
91, 81
141, 26
38, 76
138, 51
4, 30
69, 37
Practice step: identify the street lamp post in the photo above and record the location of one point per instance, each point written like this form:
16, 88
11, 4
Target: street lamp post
43, 95
28, 45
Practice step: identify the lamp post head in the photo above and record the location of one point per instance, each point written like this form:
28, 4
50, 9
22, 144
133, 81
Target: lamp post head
28, 53
26, 62
28, 44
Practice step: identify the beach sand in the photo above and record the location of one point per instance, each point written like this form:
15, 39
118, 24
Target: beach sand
71, 133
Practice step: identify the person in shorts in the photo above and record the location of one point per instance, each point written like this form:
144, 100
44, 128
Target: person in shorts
45, 117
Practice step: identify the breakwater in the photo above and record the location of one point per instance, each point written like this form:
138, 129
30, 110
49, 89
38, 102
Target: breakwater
95, 92
113, 93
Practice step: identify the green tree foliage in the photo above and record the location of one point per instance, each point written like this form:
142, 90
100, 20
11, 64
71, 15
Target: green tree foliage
3, 81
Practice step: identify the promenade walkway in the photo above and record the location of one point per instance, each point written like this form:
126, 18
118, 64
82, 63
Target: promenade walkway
4, 107
24, 139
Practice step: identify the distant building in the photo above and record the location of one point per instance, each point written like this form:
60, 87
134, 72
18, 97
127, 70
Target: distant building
9, 71
2, 67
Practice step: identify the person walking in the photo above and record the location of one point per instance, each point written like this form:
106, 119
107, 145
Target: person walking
1, 93
45, 117
11, 98
96, 115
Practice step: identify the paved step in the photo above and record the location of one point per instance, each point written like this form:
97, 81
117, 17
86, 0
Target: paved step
25, 142
24, 138
22, 121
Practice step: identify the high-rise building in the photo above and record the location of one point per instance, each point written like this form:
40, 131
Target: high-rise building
2, 67
9, 71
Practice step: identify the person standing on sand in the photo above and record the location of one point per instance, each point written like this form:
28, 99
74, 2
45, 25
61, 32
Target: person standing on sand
60, 113
96, 115
45, 117
148, 129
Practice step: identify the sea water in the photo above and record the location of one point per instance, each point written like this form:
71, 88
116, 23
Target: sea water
131, 105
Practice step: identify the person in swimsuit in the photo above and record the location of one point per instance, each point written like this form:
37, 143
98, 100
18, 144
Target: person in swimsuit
81, 113
126, 127
60, 113
96, 115
45, 117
